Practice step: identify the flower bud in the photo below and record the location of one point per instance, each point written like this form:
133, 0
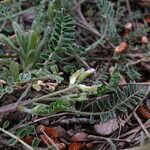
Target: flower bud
128, 26
85, 74
81, 98
87, 88
121, 47
75, 76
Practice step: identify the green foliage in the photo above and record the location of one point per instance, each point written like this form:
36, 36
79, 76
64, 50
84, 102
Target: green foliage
53, 6
115, 78
113, 83
6, 124
28, 46
63, 34
36, 142
131, 72
25, 131
121, 100
54, 107
108, 14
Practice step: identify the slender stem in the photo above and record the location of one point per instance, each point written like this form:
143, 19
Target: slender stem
40, 119
51, 94
23, 95
97, 42
15, 137
142, 125
104, 138
128, 7
14, 106
16, 14
51, 141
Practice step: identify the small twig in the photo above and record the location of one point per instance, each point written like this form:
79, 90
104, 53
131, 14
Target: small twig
128, 7
77, 7
23, 95
94, 31
43, 118
94, 45
82, 61
135, 130
15, 137
13, 107
51, 94
104, 138
140, 61
2, 26
49, 138
88, 27
139, 83
141, 124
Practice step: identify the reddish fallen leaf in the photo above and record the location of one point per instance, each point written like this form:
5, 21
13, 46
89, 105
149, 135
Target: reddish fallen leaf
121, 47
51, 132
143, 112
75, 146
28, 139
79, 137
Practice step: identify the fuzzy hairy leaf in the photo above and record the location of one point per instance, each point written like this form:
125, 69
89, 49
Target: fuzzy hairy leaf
63, 34
123, 99
57, 106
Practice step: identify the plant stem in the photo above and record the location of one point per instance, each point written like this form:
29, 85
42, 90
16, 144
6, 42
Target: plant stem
97, 42
142, 125
51, 94
15, 137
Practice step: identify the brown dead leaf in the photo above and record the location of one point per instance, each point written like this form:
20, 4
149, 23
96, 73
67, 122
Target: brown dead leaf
106, 128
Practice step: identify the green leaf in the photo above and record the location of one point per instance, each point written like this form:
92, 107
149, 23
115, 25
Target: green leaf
8, 42
10, 80
22, 76
1, 90
33, 40
12, 141
28, 76
6, 124
22, 133
29, 61
102, 89
104, 117
25, 76
51, 148
115, 78
36, 142
9, 89
44, 56
14, 69
53, 6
